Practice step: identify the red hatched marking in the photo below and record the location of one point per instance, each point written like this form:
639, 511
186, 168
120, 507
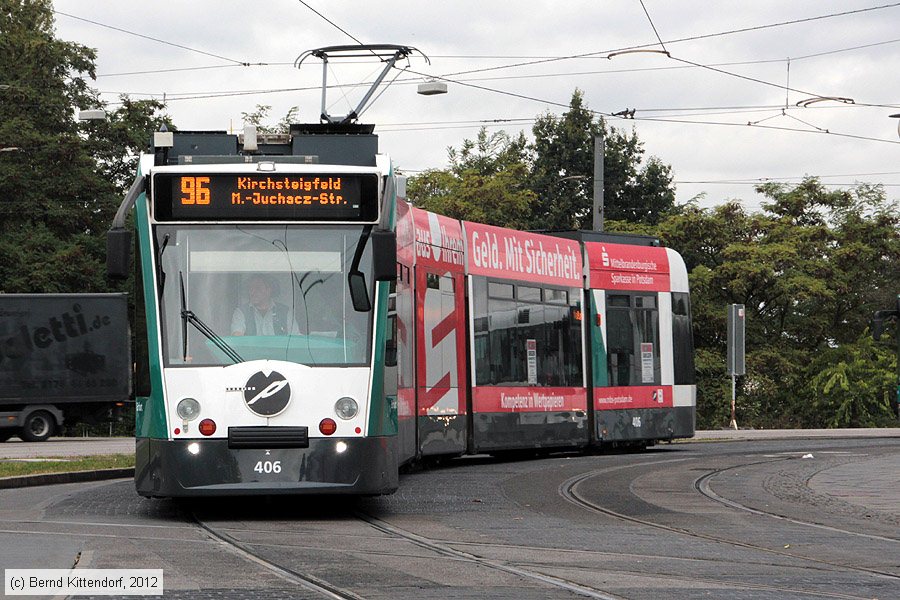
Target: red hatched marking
443, 329
432, 396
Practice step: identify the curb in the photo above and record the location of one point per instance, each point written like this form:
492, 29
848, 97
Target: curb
752, 435
69, 477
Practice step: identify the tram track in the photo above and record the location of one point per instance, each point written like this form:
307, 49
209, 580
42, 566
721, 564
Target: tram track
446, 549
702, 485
525, 569
518, 560
328, 590
501, 547
733, 585
608, 554
569, 491
280, 544
305, 581
644, 574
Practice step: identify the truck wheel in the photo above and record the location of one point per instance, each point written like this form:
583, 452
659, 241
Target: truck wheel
38, 427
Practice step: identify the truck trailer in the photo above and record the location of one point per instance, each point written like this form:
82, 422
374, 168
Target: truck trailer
64, 359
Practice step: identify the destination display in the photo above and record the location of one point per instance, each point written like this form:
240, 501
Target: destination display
265, 197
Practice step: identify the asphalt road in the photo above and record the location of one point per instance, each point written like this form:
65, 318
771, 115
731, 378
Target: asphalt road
743, 519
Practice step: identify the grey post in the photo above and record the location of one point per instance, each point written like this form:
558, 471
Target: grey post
599, 146
736, 366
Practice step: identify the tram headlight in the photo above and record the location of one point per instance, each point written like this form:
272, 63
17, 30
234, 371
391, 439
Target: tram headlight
188, 409
346, 408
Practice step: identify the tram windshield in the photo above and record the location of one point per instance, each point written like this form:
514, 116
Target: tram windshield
232, 293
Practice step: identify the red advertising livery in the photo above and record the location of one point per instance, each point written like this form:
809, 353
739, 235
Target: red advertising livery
510, 254
430, 303
641, 343
623, 267
509, 340
528, 383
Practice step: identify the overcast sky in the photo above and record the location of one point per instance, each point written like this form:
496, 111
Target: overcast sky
694, 118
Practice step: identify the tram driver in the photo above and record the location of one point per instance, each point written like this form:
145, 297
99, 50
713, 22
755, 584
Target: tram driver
262, 315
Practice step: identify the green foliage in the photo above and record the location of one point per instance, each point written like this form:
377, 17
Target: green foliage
12, 468
713, 389
116, 143
59, 190
261, 113
811, 269
485, 183
502, 180
563, 172
852, 385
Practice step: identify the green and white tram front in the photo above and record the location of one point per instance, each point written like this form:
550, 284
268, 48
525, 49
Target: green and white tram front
269, 376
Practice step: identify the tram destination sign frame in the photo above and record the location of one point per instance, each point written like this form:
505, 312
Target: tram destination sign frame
211, 196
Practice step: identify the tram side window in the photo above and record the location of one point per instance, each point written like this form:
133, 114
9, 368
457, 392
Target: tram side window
683, 338
481, 330
390, 349
508, 318
632, 333
506, 354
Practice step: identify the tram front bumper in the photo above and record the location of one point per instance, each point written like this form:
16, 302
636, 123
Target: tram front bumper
209, 467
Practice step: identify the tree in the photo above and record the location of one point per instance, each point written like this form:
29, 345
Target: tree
257, 117
59, 189
851, 385
49, 174
485, 182
116, 143
811, 268
563, 172
494, 178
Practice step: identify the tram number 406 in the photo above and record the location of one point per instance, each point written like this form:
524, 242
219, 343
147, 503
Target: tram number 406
268, 466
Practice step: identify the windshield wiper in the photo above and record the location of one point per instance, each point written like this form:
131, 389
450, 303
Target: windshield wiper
188, 316
160, 274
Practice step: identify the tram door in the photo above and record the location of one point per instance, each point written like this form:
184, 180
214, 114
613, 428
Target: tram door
440, 360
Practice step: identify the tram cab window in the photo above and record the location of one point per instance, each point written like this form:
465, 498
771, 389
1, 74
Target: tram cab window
211, 272
508, 318
632, 336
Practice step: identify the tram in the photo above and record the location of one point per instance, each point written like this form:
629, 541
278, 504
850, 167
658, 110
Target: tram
520, 342
309, 332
